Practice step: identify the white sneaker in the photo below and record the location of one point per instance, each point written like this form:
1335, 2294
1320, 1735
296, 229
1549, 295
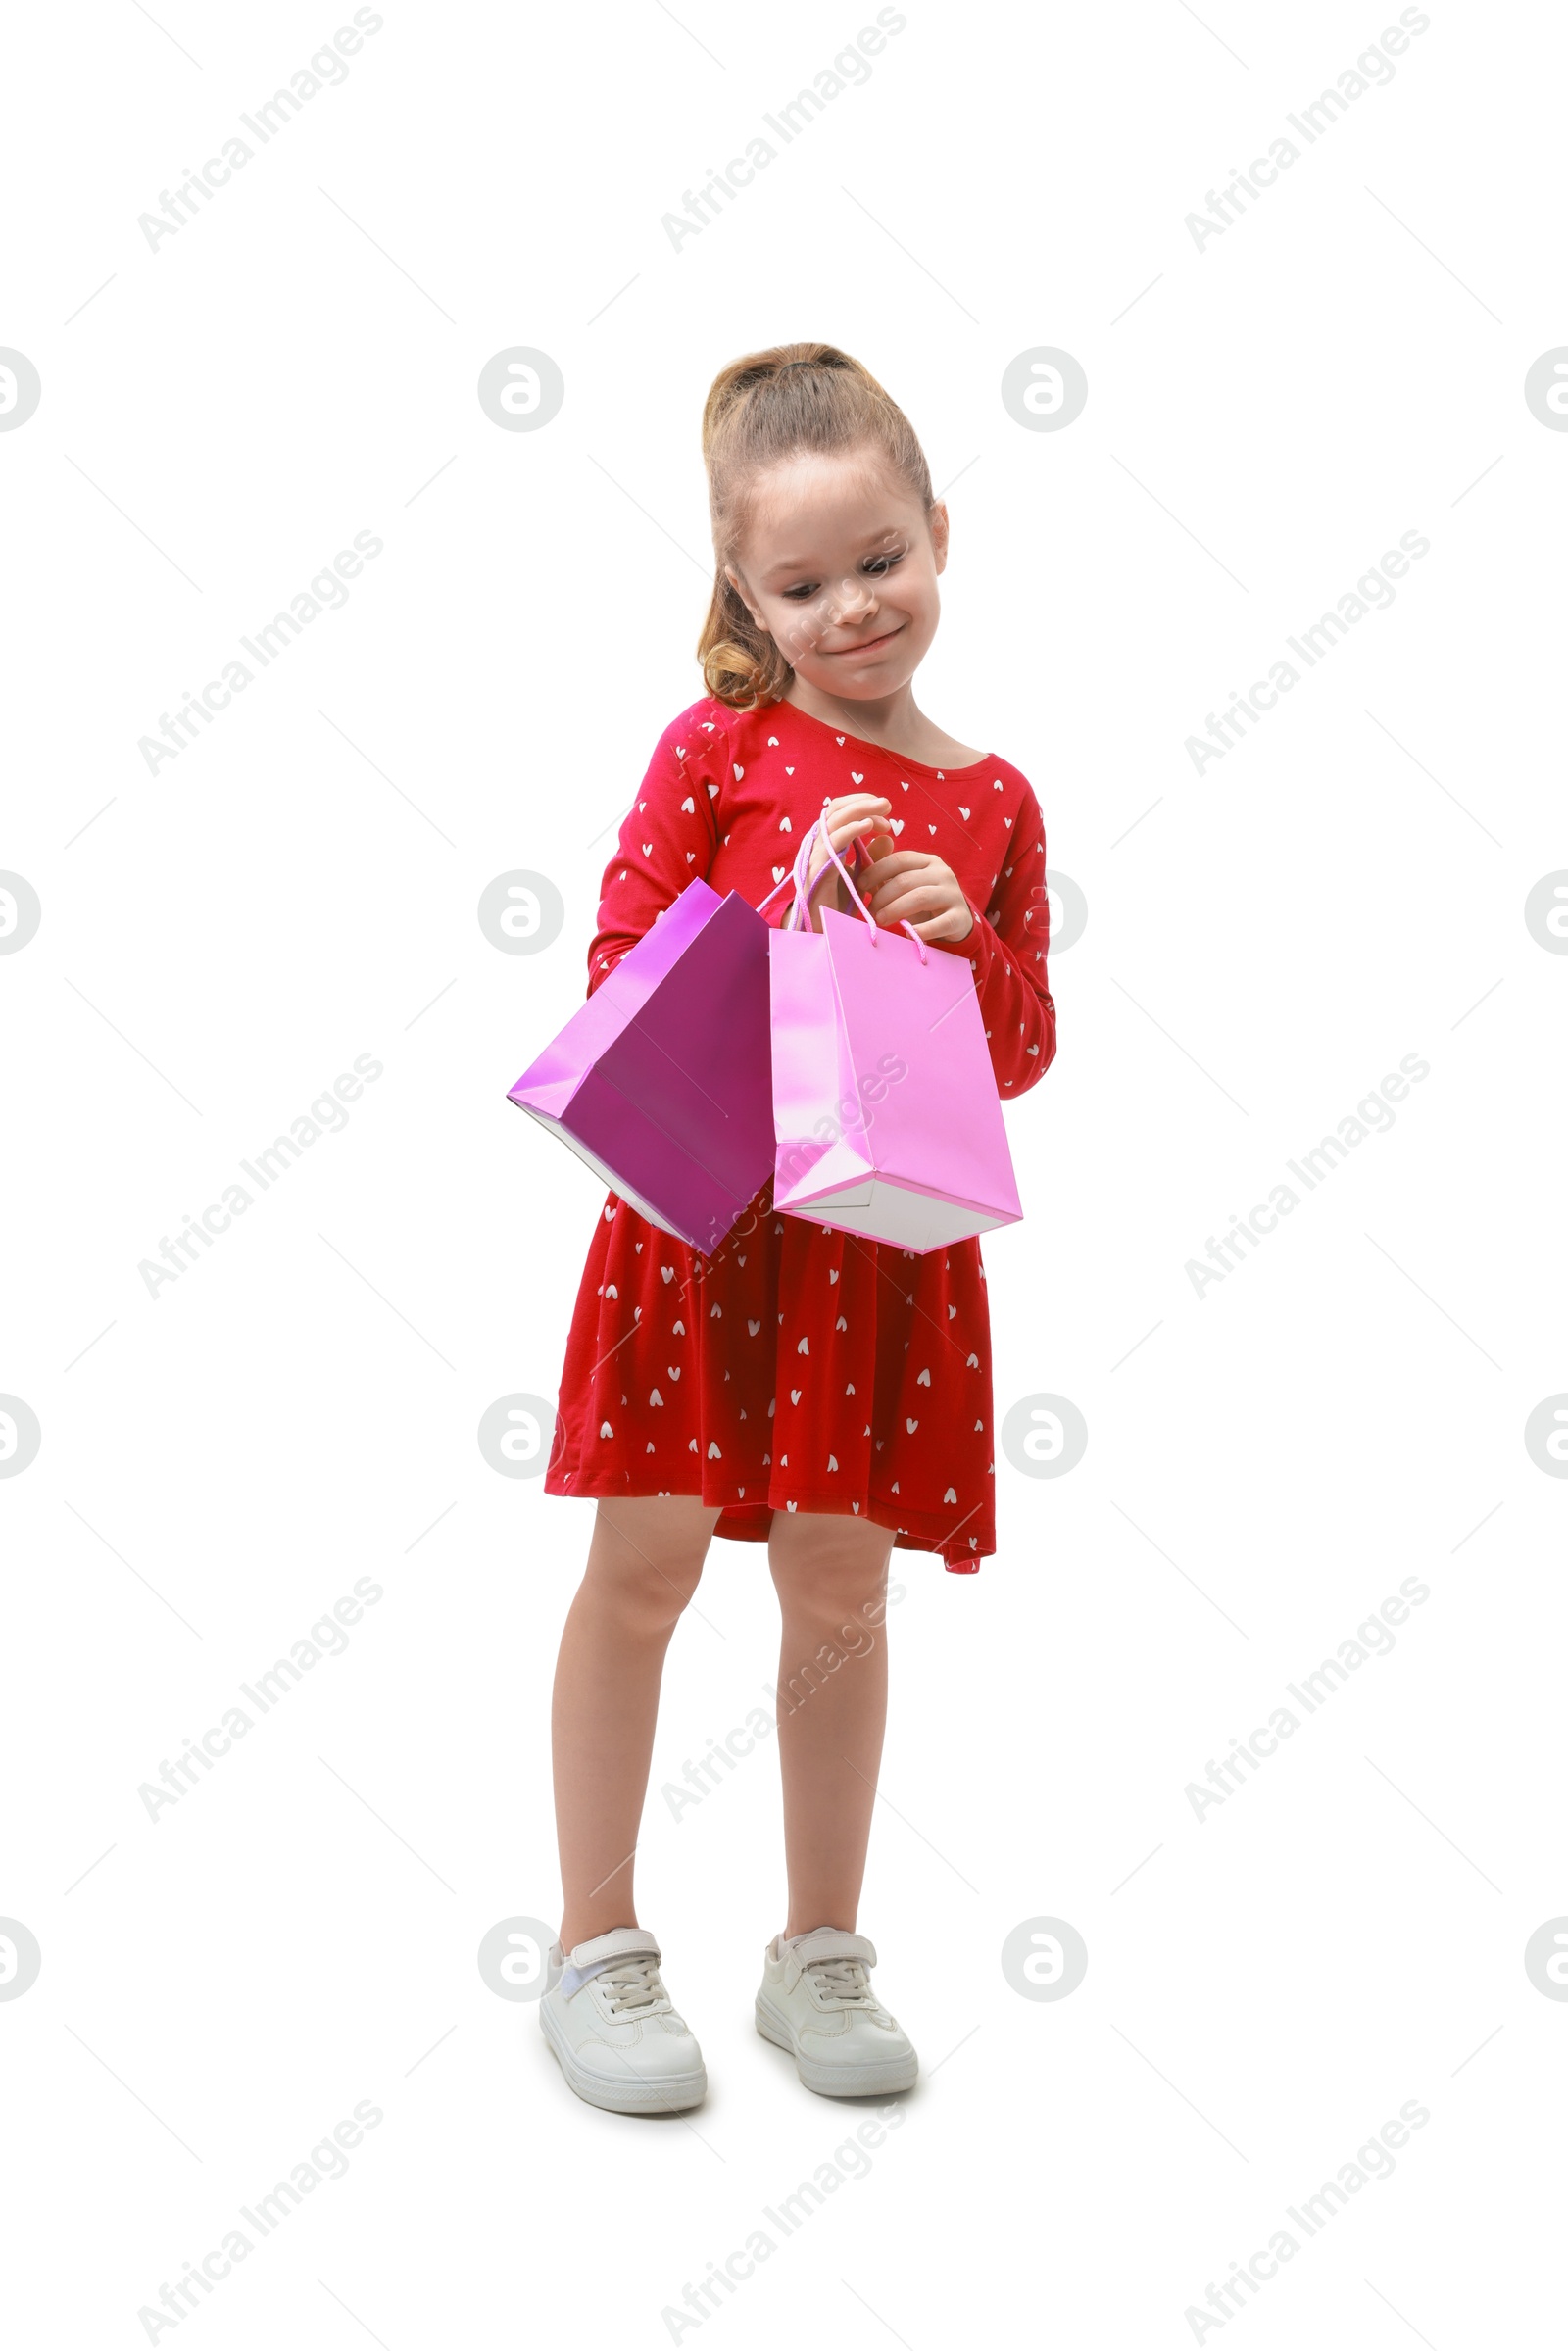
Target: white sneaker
817, 2001
614, 2032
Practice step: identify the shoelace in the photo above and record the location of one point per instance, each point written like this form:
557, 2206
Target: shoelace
844, 1982
632, 1984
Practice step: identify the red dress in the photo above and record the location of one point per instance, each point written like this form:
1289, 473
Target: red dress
800, 1367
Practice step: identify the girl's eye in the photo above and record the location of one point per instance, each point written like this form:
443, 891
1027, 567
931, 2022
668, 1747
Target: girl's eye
801, 594
877, 564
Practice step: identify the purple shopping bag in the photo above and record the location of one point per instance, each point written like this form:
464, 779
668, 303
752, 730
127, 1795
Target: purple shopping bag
887, 1121
660, 1081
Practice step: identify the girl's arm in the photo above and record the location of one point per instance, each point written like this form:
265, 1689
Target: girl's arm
669, 836
1007, 949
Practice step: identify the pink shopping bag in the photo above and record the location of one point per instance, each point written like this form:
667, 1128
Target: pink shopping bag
660, 1081
886, 1117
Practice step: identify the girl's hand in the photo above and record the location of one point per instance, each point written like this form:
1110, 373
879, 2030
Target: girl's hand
856, 816
906, 885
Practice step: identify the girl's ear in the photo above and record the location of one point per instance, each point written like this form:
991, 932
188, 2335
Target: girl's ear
739, 586
938, 520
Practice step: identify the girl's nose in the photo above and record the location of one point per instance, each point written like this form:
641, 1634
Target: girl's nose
852, 600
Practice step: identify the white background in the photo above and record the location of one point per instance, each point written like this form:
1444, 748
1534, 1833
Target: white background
1265, 1463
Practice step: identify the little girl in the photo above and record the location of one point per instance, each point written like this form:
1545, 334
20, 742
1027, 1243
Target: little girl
801, 1386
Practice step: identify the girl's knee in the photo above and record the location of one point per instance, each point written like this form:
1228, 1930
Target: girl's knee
830, 1565
651, 1574
648, 1594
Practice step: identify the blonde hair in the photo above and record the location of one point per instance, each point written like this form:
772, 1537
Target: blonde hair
761, 410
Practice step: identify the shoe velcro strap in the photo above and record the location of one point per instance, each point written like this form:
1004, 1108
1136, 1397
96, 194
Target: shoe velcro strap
621, 1942
831, 1942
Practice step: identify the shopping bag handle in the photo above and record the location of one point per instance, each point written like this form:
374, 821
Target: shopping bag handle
803, 893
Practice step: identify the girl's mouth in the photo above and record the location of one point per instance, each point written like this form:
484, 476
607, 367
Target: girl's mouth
841, 653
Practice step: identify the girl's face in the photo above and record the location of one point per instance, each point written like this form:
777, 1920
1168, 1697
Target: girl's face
838, 562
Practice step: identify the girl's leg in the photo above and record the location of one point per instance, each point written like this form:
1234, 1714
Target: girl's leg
831, 1577
643, 1566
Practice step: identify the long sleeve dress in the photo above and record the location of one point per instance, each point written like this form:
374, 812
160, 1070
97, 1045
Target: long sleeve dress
800, 1367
